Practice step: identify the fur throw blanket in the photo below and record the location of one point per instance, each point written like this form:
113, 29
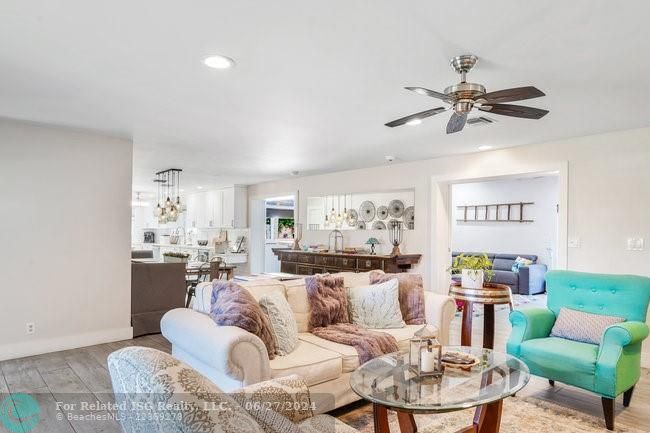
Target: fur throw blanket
368, 344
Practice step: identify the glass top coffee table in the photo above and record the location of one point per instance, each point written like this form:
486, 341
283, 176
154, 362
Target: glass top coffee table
388, 383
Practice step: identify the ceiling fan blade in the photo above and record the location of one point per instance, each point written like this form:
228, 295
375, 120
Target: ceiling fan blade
510, 95
515, 111
419, 116
456, 122
432, 93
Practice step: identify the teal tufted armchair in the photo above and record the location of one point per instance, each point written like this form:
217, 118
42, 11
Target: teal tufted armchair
608, 369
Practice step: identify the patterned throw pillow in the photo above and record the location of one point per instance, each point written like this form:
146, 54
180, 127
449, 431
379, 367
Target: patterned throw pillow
376, 306
411, 294
520, 262
328, 301
232, 305
282, 321
580, 326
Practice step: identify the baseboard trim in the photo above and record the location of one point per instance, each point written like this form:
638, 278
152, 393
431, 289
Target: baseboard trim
40, 346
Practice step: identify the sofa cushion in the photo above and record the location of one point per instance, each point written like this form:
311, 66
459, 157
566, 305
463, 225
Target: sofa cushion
349, 356
376, 306
356, 279
297, 298
505, 277
563, 360
259, 288
312, 363
411, 294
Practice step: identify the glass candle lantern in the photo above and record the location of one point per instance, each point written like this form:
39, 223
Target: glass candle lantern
425, 352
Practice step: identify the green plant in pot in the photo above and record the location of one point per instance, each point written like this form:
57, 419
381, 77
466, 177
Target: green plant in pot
474, 270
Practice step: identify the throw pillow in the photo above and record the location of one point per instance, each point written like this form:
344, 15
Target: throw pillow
283, 324
328, 301
232, 305
202, 298
376, 306
519, 262
580, 326
411, 295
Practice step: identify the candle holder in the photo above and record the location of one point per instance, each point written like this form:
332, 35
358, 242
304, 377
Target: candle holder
425, 353
395, 233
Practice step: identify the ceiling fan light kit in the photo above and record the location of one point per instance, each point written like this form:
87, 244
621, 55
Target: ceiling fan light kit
464, 97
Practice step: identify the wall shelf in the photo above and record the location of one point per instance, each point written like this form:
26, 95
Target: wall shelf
485, 208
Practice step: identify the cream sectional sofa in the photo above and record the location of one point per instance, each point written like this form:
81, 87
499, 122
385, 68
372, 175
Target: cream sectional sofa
233, 358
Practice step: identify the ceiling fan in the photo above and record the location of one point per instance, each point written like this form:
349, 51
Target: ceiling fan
464, 96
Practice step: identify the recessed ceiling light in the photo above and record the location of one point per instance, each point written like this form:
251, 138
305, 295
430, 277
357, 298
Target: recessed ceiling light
485, 147
199, 187
414, 122
219, 62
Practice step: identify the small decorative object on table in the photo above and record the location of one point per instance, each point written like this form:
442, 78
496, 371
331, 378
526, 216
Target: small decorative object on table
425, 352
171, 257
372, 242
297, 237
395, 232
459, 360
474, 270
202, 243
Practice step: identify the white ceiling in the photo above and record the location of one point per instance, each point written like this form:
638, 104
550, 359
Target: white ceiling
315, 81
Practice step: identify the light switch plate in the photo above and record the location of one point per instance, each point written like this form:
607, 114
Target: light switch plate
635, 244
574, 242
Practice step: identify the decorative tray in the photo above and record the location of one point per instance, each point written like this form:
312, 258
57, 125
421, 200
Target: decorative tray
459, 360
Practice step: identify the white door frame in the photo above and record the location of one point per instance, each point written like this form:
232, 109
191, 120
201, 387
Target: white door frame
441, 214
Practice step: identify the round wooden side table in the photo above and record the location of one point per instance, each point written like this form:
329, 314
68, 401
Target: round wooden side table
490, 295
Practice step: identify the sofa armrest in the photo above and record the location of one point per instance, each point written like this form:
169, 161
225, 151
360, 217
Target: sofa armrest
287, 396
228, 349
439, 310
527, 325
531, 279
618, 366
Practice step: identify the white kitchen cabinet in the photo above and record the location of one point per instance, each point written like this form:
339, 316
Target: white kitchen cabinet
222, 208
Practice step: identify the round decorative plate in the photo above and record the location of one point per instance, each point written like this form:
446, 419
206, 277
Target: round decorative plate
361, 225
353, 217
382, 212
367, 211
409, 217
396, 208
378, 225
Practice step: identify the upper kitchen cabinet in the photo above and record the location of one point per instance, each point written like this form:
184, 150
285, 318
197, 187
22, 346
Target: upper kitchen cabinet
222, 208
234, 207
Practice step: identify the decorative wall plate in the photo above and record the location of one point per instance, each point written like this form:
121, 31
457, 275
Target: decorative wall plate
382, 212
361, 225
353, 217
379, 225
409, 217
367, 211
396, 208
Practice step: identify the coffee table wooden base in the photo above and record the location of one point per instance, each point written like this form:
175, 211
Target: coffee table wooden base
487, 419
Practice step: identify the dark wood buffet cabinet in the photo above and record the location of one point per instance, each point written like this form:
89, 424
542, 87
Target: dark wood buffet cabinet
310, 263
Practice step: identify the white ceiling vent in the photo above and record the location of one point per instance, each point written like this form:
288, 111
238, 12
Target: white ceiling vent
480, 120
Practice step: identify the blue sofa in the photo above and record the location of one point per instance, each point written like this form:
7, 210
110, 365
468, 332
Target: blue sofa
528, 281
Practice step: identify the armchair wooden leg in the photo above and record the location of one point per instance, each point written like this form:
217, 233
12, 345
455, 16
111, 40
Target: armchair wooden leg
551, 382
608, 409
627, 397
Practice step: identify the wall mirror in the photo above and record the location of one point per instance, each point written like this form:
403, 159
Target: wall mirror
361, 211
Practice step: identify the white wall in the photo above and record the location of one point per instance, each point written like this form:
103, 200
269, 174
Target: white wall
608, 197
65, 255
536, 237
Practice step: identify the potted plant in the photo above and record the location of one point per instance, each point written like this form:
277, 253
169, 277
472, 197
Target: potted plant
474, 270
171, 257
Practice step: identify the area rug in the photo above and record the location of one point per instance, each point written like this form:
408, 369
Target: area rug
519, 415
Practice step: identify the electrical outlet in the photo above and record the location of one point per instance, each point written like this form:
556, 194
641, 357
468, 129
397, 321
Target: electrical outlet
635, 244
30, 328
574, 242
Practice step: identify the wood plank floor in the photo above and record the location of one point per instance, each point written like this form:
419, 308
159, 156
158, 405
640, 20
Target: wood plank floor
82, 374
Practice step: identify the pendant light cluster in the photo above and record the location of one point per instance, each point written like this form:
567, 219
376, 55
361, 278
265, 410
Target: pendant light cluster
335, 218
169, 196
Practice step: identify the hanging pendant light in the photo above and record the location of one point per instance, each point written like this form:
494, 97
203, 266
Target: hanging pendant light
168, 209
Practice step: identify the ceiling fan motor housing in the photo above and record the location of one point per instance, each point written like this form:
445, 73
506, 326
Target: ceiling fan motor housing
464, 95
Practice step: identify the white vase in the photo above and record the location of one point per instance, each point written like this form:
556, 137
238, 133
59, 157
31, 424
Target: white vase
472, 279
